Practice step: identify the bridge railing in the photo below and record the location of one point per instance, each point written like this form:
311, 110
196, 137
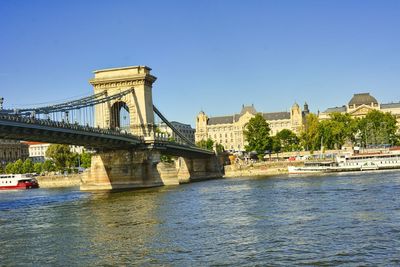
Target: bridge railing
164, 137
66, 125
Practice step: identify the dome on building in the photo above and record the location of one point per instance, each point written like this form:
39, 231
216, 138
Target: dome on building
362, 99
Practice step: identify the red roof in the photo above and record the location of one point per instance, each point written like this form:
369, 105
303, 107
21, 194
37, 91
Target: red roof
33, 143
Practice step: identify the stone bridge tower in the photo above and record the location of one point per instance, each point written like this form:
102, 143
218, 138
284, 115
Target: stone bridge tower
139, 104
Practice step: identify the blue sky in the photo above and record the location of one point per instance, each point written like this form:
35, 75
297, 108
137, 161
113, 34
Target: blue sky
212, 55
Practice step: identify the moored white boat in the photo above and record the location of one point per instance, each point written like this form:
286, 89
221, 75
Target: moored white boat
361, 162
311, 167
17, 181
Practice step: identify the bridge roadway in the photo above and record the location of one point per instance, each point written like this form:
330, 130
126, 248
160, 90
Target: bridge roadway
25, 128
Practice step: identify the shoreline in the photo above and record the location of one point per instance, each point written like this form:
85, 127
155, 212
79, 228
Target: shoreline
59, 181
259, 169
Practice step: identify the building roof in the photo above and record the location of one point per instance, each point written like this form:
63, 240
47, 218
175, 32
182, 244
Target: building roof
276, 116
221, 120
362, 99
390, 105
235, 117
249, 109
177, 123
30, 143
230, 119
336, 109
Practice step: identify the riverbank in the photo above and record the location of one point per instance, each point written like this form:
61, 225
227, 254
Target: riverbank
231, 171
54, 181
259, 169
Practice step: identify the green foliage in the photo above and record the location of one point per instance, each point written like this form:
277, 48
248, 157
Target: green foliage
17, 166
86, 160
336, 131
48, 166
166, 159
38, 167
27, 167
9, 168
219, 148
346, 128
276, 144
2, 169
61, 155
309, 137
257, 135
378, 128
331, 134
206, 144
288, 140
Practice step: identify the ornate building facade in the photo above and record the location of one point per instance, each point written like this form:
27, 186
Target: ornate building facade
11, 151
228, 130
360, 104
185, 129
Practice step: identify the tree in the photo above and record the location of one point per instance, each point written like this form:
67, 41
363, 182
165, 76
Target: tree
257, 135
27, 167
48, 166
346, 128
309, 136
17, 167
206, 144
86, 159
332, 133
219, 148
9, 168
2, 169
378, 128
276, 144
166, 158
288, 140
61, 156
37, 167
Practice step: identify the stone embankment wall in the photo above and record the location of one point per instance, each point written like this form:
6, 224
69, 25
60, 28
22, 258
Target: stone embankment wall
73, 180
260, 169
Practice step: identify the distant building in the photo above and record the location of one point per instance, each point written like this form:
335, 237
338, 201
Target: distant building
185, 129
360, 104
11, 151
228, 130
37, 150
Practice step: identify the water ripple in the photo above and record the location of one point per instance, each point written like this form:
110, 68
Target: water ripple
344, 220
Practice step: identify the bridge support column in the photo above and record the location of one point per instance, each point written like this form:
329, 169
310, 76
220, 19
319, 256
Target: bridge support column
123, 169
191, 170
129, 169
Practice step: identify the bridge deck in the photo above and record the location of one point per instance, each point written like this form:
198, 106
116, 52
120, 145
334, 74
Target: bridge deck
23, 128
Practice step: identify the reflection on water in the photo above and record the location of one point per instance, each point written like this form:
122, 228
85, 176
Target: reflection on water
331, 220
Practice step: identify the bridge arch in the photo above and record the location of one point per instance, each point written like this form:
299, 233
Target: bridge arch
120, 116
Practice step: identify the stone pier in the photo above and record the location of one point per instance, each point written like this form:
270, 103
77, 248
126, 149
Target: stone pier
131, 169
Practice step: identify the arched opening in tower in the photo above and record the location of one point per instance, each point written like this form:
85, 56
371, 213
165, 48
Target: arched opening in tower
120, 117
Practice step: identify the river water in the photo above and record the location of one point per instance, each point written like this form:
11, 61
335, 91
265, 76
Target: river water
348, 220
